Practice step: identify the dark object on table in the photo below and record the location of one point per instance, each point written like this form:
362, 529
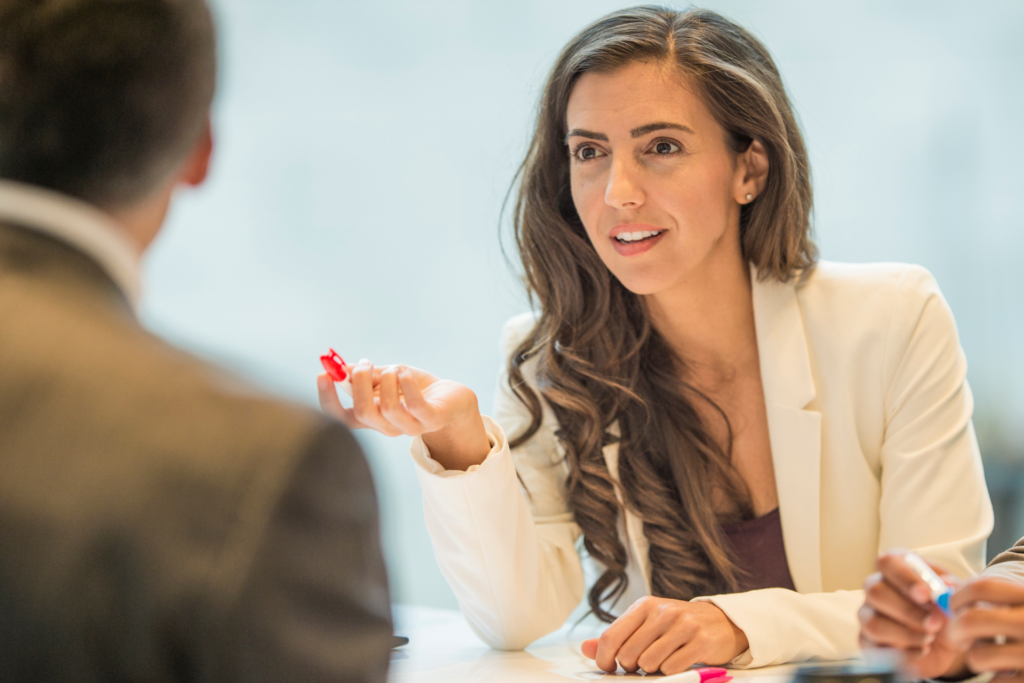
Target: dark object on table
847, 673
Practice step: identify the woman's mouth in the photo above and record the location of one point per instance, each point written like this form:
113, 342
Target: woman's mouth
635, 242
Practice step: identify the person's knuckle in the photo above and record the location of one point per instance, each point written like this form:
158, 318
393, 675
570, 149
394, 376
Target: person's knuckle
647, 663
627, 658
976, 658
875, 593
970, 619
872, 627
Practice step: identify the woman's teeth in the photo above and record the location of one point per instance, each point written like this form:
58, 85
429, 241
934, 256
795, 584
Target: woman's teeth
637, 236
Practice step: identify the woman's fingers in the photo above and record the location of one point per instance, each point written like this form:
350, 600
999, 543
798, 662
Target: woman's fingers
992, 590
898, 574
884, 599
636, 653
683, 658
331, 405
391, 407
615, 635
364, 403
882, 631
991, 657
987, 622
417, 405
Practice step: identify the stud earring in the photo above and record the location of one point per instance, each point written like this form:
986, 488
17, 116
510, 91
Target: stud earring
750, 197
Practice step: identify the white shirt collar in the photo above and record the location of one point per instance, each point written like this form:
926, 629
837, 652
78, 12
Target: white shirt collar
78, 224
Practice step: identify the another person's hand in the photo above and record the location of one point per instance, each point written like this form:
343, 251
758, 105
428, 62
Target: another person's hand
898, 613
989, 625
658, 634
398, 399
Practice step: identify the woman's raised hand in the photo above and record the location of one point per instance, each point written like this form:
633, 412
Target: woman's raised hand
398, 399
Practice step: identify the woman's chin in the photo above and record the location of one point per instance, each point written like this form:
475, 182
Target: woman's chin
646, 284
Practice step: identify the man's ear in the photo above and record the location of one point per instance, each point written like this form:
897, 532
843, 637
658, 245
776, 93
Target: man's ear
197, 165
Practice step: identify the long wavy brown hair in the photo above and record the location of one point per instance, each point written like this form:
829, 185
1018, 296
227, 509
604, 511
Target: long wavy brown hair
600, 361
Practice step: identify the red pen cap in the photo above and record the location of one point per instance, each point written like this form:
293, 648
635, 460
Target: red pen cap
334, 365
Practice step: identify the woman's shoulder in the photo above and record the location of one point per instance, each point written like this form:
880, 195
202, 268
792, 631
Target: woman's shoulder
863, 288
516, 330
864, 276
849, 305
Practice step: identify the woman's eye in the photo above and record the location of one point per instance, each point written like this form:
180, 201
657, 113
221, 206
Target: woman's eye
586, 153
666, 147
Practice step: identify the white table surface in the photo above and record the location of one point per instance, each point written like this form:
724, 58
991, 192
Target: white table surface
442, 647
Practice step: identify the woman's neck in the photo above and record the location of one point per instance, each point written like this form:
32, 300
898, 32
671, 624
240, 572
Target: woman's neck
708, 318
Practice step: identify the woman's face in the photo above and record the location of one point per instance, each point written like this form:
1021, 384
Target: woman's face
654, 180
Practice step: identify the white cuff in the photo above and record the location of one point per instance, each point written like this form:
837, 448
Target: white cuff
421, 454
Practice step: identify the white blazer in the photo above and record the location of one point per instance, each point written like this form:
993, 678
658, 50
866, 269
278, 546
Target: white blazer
869, 416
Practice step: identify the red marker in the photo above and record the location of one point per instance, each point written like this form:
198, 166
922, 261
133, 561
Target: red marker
335, 366
704, 675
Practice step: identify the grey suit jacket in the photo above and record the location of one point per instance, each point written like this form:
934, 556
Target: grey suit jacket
158, 521
1008, 564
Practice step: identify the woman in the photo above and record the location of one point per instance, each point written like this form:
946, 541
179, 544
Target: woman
734, 430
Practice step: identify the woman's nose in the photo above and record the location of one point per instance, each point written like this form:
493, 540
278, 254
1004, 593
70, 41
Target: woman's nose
624, 189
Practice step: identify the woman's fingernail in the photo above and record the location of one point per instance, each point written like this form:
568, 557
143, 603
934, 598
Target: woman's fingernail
933, 622
363, 361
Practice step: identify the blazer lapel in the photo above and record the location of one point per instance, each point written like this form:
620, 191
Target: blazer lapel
795, 433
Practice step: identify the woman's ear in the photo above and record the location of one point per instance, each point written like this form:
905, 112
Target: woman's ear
751, 172
197, 165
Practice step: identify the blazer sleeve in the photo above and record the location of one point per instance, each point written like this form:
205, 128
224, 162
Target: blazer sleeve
933, 494
502, 531
315, 605
1008, 564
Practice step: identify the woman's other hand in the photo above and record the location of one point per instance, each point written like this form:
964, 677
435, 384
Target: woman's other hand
989, 625
898, 613
398, 399
658, 634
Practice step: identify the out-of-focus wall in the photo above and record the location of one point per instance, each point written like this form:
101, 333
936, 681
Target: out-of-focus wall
364, 149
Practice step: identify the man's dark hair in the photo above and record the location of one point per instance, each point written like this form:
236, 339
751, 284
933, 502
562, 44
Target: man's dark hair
102, 99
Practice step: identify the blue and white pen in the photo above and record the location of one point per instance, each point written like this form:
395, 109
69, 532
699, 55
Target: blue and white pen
939, 590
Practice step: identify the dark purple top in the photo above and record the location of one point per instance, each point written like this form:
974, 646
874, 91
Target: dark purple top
760, 553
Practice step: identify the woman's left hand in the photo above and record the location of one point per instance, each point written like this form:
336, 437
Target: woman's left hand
658, 634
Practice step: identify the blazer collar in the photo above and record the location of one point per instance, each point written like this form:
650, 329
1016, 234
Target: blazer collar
782, 343
77, 224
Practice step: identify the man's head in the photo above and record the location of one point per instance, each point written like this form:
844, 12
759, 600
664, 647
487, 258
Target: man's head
105, 100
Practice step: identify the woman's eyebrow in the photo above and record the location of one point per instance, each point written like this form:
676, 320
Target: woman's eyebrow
663, 125
580, 133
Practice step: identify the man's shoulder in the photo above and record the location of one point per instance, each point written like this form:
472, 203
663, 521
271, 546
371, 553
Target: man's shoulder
110, 435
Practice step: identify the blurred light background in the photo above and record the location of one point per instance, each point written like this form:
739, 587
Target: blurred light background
364, 149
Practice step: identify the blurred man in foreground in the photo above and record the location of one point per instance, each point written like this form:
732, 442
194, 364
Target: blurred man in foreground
985, 633
158, 521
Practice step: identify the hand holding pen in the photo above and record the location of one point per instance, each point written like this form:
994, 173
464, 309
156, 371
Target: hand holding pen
982, 630
400, 400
